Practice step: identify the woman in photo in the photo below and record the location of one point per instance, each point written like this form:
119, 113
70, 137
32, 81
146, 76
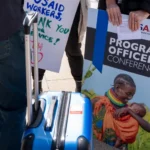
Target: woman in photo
115, 121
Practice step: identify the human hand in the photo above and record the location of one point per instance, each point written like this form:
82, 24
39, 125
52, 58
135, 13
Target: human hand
135, 18
114, 12
120, 112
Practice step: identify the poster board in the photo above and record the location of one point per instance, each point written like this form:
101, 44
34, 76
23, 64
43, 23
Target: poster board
54, 24
106, 58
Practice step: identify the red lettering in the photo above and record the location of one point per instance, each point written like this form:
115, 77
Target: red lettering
39, 58
146, 28
40, 45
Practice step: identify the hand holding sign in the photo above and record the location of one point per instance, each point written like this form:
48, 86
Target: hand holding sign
114, 13
135, 18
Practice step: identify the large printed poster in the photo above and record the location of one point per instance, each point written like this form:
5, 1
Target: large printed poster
116, 78
54, 24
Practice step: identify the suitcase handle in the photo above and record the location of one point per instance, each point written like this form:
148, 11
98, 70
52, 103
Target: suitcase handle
50, 114
60, 141
61, 125
31, 18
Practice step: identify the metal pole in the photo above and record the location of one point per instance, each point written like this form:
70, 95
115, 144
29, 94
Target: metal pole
31, 18
28, 78
36, 79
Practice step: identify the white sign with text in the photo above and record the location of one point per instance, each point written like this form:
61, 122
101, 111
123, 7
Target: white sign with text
54, 24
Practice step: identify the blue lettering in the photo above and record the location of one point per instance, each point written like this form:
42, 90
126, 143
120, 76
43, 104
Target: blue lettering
51, 9
45, 4
52, 14
58, 17
39, 9
56, 7
30, 6
61, 8
35, 8
51, 5
43, 11
47, 12
37, 1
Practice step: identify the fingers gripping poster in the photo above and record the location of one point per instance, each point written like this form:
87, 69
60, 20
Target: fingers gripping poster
116, 77
54, 24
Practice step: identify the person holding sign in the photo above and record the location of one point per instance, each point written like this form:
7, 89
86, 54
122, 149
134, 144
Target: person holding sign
138, 10
12, 75
73, 47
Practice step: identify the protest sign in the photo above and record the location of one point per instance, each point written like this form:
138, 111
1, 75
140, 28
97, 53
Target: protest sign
54, 24
116, 74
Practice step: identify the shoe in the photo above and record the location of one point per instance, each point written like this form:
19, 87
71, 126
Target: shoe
78, 86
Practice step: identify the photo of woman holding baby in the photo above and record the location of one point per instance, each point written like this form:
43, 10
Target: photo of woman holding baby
115, 121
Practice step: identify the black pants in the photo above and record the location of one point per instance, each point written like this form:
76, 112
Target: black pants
41, 73
73, 51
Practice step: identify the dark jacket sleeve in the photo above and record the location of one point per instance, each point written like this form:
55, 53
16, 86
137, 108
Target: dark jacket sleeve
145, 5
22, 4
129, 5
102, 4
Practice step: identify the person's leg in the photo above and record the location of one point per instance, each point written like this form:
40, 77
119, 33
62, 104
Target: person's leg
102, 4
41, 75
73, 51
12, 91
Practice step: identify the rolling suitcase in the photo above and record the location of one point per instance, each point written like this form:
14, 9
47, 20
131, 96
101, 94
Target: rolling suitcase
56, 120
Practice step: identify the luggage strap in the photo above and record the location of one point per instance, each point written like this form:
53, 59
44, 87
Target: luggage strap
61, 125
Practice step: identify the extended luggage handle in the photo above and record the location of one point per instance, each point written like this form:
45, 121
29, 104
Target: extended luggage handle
50, 114
31, 18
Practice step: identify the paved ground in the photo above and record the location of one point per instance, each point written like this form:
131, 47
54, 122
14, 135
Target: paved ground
64, 81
